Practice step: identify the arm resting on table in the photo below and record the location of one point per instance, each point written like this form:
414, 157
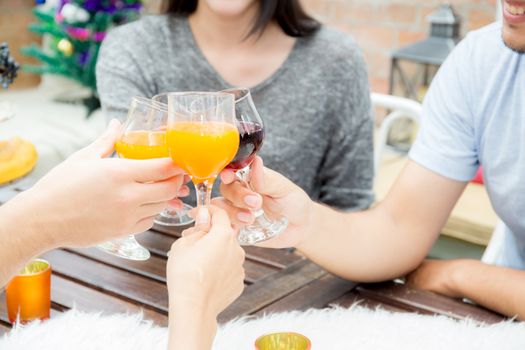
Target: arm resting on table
494, 287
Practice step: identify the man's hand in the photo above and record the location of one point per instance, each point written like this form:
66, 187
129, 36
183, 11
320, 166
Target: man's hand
437, 276
277, 195
494, 287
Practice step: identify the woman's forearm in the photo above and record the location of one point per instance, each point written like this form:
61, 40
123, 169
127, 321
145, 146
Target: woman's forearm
191, 328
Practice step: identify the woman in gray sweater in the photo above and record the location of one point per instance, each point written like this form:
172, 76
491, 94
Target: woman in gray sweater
308, 82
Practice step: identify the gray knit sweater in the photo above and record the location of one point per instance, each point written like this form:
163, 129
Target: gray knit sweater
316, 107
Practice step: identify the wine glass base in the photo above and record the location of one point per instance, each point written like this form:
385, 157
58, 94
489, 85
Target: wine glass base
125, 249
175, 217
257, 232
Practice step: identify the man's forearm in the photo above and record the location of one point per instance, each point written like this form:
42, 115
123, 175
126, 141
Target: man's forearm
20, 238
497, 288
363, 246
390, 239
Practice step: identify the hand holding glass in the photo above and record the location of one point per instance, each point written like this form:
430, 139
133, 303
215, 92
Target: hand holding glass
251, 132
143, 137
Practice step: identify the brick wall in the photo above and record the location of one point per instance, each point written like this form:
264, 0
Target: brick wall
381, 26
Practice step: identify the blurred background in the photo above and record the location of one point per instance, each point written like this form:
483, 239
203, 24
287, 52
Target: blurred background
379, 26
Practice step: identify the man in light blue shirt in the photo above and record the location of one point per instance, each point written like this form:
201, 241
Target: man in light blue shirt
474, 114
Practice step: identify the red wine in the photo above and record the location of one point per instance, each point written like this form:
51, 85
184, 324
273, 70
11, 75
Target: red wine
252, 135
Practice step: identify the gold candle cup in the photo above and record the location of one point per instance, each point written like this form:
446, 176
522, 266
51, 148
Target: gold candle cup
283, 341
28, 294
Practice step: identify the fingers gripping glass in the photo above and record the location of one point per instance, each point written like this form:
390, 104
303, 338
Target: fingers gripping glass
202, 137
143, 136
251, 131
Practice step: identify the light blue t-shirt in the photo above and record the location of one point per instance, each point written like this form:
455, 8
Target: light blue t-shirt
474, 114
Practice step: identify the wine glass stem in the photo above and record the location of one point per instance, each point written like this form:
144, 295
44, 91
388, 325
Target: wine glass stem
244, 175
203, 190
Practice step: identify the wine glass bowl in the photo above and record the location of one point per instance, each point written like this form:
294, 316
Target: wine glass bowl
250, 126
251, 132
202, 136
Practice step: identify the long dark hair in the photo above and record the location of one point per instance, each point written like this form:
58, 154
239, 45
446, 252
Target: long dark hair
289, 14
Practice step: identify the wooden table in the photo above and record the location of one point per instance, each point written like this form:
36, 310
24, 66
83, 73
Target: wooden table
276, 280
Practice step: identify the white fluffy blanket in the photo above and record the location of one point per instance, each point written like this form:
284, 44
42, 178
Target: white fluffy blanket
333, 329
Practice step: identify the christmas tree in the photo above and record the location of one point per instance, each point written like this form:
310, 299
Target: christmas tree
77, 29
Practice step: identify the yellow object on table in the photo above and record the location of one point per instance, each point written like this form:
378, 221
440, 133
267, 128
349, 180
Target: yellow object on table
283, 341
28, 294
17, 158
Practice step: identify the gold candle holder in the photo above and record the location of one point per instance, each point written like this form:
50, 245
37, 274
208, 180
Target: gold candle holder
28, 294
283, 341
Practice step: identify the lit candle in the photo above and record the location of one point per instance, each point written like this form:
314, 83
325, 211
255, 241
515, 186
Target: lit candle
28, 294
283, 341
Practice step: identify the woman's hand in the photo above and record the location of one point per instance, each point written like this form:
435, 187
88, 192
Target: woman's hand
205, 274
277, 195
89, 199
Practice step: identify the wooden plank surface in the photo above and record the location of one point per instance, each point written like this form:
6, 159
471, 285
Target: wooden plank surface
126, 285
160, 243
272, 289
317, 294
155, 267
71, 294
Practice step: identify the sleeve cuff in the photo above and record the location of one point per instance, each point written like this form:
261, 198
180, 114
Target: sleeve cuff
454, 169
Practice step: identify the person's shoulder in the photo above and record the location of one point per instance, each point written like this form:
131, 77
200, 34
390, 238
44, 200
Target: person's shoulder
146, 29
334, 55
479, 49
331, 41
490, 32
486, 39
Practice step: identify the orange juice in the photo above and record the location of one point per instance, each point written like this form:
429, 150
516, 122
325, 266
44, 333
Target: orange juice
202, 149
142, 145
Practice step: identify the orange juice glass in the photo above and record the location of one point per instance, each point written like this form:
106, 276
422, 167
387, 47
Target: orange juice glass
28, 294
202, 136
142, 144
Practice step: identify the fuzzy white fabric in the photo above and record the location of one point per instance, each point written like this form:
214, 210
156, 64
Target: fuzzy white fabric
334, 329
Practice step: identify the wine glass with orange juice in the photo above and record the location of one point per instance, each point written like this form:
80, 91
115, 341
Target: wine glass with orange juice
143, 137
202, 136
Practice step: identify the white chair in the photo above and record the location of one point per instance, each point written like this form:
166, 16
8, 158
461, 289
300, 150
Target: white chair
399, 108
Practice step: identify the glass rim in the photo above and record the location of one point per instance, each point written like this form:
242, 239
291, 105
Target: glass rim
150, 103
196, 93
47, 263
246, 93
